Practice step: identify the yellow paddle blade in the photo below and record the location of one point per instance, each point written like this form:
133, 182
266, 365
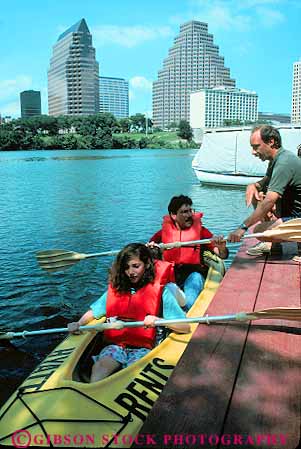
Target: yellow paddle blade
279, 313
290, 223
58, 255
57, 259
289, 231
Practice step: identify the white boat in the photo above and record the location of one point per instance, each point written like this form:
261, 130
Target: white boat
225, 156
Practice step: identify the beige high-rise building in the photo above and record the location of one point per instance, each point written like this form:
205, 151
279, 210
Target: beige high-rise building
296, 94
193, 63
73, 75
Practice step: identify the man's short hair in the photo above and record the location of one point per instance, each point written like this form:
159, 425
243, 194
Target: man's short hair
177, 201
268, 132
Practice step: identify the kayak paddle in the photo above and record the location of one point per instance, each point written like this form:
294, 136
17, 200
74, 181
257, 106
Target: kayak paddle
59, 259
277, 313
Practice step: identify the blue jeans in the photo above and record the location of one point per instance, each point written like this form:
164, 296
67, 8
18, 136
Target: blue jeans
193, 286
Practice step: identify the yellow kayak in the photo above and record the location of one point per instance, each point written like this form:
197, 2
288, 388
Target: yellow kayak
55, 406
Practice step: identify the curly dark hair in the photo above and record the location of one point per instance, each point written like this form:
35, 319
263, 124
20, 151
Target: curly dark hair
268, 132
177, 201
117, 277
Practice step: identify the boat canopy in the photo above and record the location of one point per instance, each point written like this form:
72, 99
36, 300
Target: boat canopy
229, 151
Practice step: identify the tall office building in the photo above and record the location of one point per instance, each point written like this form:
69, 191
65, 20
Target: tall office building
296, 94
30, 101
114, 96
211, 108
193, 63
73, 75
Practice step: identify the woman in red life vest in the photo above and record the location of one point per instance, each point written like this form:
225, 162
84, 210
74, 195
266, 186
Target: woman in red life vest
138, 290
180, 225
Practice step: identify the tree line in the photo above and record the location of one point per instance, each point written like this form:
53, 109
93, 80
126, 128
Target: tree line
99, 131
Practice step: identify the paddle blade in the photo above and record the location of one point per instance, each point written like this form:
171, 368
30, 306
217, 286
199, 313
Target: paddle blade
289, 231
57, 266
279, 313
59, 255
291, 223
58, 259
283, 235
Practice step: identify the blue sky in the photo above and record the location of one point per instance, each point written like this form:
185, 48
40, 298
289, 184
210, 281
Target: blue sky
259, 39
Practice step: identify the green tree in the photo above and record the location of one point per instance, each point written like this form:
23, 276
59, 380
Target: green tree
124, 141
138, 122
185, 131
69, 142
125, 124
10, 139
233, 122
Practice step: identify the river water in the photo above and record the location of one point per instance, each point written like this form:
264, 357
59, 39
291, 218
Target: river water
86, 201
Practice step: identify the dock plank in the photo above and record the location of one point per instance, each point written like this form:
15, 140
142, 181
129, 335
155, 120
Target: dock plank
198, 392
238, 379
268, 384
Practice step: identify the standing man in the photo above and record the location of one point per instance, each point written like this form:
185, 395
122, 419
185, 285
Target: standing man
183, 224
282, 184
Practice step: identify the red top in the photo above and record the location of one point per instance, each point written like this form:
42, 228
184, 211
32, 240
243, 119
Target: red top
135, 306
170, 233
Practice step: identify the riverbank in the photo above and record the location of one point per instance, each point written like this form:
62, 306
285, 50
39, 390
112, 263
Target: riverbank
118, 141
95, 132
161, 139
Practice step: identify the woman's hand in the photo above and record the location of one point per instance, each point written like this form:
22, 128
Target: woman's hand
149, 320
73, 327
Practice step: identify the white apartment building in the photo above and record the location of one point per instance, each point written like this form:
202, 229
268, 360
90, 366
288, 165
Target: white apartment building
193, 63
210, 108
296, 94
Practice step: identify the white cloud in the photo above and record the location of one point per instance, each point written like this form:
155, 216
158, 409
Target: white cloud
269, 17
12, 109
140, 95
128, 36
222, 17
13, 87
232, 15
254, 3
131, 95
44, 100
140, 82
10, 94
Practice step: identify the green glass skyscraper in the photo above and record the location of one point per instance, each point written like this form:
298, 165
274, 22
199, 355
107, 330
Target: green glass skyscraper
73, 75
30, 101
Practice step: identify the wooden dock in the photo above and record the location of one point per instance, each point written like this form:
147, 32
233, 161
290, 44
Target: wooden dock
238, 385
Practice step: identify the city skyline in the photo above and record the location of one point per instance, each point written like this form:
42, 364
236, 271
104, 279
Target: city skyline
259, 40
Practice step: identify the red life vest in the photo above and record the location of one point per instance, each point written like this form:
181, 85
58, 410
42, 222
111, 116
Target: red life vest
170, 233
134, 307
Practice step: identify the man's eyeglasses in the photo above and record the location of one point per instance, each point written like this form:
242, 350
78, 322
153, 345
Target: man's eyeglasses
186, 211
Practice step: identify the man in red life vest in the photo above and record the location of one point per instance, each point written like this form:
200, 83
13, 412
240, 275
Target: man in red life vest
183, 224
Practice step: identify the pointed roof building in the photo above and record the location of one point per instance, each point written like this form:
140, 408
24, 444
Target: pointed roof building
73, 75
80, 26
